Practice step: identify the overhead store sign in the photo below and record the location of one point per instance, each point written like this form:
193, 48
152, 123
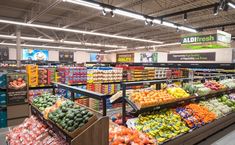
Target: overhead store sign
125, 58
148, 57
209, 56
95, 57
35, 54
206, 41
66, 56
4, 53
198, 39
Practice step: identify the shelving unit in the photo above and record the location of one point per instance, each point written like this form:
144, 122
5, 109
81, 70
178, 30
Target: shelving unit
193, 98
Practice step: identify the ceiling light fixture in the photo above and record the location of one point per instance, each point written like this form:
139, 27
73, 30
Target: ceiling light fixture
115, 50
129, 14
77, 31
177, 30
185, 16
232, 5
112, 14
215, 10
52, 47
168, 24
118, 11
104, 12
61, 41
85, 3
223, 28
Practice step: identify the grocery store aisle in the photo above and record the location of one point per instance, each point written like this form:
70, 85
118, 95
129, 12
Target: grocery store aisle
224, 137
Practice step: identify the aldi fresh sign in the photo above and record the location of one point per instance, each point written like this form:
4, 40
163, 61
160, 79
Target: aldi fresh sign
220, 39
198, 39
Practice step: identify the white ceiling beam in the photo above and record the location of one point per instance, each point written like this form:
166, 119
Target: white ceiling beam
44, 34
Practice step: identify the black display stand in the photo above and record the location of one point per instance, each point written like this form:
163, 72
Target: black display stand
89, 94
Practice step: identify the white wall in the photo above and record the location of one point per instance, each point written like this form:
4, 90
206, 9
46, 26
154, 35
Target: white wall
223, 55
12, 54
53, 55
162, 57
110, 57
81, 57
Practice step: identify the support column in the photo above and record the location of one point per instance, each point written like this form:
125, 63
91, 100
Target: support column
18, 46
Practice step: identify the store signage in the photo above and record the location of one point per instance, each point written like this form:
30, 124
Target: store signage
198, 39
66, 56
35, 54
220, 39
210, 56
95, 57
4, 53
148, 57
125, 58
17, 87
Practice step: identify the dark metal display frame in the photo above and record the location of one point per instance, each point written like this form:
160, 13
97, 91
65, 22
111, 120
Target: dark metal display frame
87, 93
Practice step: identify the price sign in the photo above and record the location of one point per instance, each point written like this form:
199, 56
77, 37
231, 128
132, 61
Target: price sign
194, 99
181, 102
156, 108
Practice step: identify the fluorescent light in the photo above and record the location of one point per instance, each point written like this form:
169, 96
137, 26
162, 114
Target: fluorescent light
128, 14
85, 3
115, 50
168, 24
156, 21
187, 29
231, 5
61, 41
52, 47
124, 13
162, 45
77, 31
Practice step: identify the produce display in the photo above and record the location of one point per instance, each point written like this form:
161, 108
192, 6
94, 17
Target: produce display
17, 83
33, 132
120, 135
162, 125
230, 83
35, 93
177, 92
216, 107
44, 101
195, 115
213, 85
70, 116
151, 98
198, 89
228, 100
